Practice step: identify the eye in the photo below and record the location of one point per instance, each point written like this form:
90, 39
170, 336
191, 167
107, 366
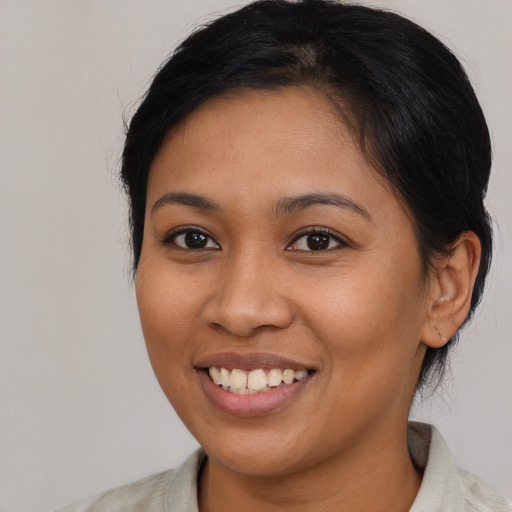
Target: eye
316, 240
192, 239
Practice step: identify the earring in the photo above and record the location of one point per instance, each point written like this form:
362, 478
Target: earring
441, 336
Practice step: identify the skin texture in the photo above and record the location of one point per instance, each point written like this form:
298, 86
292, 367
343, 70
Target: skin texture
359, 313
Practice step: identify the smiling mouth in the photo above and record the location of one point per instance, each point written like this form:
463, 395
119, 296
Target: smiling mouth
244, 382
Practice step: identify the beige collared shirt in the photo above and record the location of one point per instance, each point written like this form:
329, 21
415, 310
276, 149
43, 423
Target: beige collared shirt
444, 488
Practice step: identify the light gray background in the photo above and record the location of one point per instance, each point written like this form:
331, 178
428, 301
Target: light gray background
80, 410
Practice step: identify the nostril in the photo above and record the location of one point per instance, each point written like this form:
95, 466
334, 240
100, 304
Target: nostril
245, 316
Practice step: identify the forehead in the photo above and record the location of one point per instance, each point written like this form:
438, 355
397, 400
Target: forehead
266, 134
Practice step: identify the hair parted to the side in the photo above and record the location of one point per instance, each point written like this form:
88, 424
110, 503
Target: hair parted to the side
411, 106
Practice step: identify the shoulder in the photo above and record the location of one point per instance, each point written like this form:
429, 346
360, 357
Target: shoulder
445, 487
163, 492
479, 496
146, 494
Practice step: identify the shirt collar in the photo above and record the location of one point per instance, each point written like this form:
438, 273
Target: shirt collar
444, 488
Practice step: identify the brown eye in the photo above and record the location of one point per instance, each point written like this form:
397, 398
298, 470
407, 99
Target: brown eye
192, 239
316, 241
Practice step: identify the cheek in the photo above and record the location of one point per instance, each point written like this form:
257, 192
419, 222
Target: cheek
168, 307
368, 319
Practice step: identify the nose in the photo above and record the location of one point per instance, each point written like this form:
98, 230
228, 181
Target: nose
250, 296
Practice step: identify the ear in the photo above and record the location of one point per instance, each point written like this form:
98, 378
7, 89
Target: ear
450, 290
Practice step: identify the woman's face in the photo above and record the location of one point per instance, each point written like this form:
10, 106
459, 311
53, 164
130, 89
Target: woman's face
271, 245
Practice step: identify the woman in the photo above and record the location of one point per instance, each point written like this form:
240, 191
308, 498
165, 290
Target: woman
306, 183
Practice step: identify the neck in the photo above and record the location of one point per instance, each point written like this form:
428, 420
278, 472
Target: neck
377, 476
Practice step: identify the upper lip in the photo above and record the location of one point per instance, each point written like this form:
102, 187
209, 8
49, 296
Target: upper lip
251, 361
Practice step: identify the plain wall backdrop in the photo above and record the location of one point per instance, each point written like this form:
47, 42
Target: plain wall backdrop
80, 410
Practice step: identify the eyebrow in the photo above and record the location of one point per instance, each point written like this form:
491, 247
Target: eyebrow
289, 205
284, 206
187, 199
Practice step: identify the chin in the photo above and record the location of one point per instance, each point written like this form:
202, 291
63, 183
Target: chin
257, 460
259, 450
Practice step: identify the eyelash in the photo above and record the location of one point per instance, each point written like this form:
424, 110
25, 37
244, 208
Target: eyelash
170, 239
319, 231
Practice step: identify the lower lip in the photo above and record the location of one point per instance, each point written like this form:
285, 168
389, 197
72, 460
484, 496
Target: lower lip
257, 404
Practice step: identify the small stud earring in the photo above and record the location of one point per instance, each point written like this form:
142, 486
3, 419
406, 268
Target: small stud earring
441, 336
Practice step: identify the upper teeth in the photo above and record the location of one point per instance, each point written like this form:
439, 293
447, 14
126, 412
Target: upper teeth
241, 381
